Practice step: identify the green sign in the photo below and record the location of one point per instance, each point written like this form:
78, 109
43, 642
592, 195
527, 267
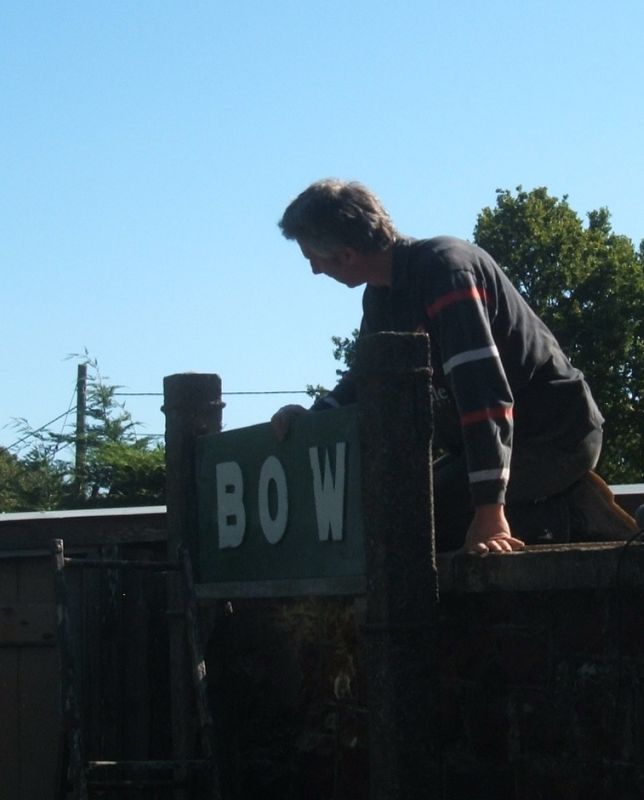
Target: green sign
279, 511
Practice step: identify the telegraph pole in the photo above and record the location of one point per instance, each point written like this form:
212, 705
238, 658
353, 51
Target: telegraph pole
81, 429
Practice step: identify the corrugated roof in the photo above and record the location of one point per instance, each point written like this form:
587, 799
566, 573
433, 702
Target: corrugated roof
83, 512
627, 488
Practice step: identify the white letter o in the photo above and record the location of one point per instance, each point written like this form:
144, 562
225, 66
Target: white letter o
273, 528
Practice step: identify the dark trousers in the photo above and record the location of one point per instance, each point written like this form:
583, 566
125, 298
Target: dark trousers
540, 474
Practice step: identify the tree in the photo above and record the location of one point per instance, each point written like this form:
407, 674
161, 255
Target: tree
126, 473
31, 484
344, 350
120, 468
587, 284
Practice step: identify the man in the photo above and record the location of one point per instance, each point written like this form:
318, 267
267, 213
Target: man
517, 422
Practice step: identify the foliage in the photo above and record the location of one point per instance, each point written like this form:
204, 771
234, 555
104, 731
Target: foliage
126, 473
316, 391
344, 349
119, 467
30, 484
587, 284
294, 717
323, 635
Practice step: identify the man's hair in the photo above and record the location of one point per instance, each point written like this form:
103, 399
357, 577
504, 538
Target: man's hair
333, 214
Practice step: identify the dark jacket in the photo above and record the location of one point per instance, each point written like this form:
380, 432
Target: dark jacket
498, 372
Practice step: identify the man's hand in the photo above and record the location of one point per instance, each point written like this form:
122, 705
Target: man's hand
489, 532
282, 420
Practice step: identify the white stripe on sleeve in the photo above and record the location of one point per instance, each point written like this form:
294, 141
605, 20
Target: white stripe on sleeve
489, 475
470, 355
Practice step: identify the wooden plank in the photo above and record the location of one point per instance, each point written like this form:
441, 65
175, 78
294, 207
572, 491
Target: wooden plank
9, 703
40, 723
86, 616
36, 580
8, 582
198, 664
136, 684
27, 612
10, 727
110, 644
144, 594
28, 624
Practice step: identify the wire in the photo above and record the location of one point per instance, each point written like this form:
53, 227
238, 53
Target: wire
71, 409
59, 445
280, 391
160, 394
42, 428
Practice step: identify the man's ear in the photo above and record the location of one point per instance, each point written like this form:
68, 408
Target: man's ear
348, 256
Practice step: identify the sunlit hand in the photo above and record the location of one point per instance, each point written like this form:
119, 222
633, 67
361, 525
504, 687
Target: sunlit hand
489, 532
283, 419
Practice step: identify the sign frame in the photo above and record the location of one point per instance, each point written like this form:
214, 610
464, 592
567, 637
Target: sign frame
281, 519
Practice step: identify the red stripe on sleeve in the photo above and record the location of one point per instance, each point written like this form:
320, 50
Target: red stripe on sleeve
458, 295
499, 412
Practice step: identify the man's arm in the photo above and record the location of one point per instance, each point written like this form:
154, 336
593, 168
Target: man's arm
343, 394
471, 363
489, 532
459, 314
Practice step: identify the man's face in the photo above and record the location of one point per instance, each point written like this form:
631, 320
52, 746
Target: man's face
344, 266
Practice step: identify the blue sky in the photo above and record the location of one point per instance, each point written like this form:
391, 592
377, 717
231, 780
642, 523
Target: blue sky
147, 150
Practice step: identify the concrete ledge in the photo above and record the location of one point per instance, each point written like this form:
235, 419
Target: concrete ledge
545, 568
597, 565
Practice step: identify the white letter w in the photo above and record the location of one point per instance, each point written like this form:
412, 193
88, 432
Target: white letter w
329, 493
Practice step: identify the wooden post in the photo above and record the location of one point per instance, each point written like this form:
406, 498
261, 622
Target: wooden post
73, 772
192, 407
81, 431
395, 423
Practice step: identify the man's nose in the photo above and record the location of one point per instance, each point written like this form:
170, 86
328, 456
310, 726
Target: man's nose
315, 268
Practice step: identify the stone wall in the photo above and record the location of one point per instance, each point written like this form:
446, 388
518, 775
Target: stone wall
542, 674
541, 684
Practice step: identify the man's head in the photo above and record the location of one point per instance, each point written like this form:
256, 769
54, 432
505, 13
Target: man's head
333, 215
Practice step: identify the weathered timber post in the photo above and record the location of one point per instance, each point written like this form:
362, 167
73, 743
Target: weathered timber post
80, 463
395, 423
192, 406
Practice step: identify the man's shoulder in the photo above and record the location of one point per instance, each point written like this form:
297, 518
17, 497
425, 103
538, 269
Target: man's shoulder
449, 248
446, 254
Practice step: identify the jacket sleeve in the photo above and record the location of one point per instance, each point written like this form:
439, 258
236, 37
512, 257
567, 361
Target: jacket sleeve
459, 313
343, 394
